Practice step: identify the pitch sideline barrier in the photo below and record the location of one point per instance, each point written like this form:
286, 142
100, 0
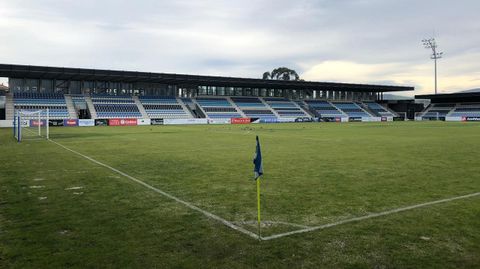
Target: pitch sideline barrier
184, 121
6, 123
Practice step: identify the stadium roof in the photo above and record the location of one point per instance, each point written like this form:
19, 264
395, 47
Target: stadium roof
451, 97
66, 73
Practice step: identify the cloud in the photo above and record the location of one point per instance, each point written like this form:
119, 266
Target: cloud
376, 41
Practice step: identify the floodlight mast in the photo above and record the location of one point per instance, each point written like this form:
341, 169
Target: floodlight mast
432, 44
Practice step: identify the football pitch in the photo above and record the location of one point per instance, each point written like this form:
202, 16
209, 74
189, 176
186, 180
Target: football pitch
353, 195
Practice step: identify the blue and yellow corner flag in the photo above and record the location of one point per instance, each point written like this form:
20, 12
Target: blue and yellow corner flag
257, 161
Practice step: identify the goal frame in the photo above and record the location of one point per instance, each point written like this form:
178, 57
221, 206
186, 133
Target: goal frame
20, 116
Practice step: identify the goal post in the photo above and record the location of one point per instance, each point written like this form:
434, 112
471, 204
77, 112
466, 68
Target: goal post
31, 124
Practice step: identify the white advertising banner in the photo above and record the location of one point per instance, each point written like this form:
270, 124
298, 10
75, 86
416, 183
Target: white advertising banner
86, 122
6, 123
219, 121
371, 119
185, 121
282, 120
453, 119
144, 122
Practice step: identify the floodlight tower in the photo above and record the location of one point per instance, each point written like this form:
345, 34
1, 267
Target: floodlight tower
432, 44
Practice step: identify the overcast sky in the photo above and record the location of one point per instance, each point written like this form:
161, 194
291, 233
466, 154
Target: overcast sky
363, 41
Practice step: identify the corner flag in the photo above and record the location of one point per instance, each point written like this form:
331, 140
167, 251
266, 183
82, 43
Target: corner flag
257, 161
258, 169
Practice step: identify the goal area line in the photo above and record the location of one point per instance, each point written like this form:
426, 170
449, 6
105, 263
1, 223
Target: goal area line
234, 226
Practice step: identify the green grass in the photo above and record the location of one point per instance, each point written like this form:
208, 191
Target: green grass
314, 174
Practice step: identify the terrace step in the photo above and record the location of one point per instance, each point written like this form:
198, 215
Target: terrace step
270, 108
70, 107
237, 108
185, 108
395, 114
366, 108
452, 110
341, 111
140, 107
302, 109
9, 108
199, 109
91, 107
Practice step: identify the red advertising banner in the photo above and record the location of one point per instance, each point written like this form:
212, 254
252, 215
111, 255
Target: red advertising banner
338, 119
35, 123
122, 122
240, 120
384, 119
70, 122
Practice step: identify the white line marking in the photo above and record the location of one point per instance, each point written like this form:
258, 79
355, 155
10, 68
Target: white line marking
369, 216
254, 222
187, 204
253, 235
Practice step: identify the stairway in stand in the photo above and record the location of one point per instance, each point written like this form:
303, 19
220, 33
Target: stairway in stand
9, 108
71, 107
140, 107
91, 107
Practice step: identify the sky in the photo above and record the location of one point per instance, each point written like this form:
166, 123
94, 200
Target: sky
362, 41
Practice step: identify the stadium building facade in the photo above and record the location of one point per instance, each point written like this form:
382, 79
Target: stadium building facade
42, 79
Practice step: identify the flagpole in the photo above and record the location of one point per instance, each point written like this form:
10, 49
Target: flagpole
258, 208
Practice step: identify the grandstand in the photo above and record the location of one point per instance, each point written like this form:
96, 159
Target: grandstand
463, 106
72, 93
465, 110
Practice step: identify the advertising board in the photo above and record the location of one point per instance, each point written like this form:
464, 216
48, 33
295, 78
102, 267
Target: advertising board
219, 121
122, 122
144, 122
55, 122
240, 120
35, 123
185, 121
70, 122
101, 122
470, 118
86, 122
156, 121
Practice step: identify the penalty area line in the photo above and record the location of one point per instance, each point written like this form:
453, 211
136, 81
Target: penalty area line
178, 200
369, 216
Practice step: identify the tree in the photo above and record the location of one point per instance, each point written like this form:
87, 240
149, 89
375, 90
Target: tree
282, 73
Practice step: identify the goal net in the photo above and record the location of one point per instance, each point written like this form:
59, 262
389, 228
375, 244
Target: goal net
30, 125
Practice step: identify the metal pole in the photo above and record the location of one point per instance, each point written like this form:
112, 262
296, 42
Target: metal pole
432, 44
435, 75
435, 62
